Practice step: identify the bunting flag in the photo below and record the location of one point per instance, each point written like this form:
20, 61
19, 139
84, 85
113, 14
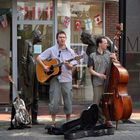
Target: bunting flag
77, 25
88, 24
3, 21
97, 19
65, 21
49, 12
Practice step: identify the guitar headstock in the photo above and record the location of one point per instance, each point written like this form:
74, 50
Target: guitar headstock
78, 57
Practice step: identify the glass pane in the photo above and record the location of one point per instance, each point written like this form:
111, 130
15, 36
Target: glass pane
25, 38
74, 17
25, 33
34, 10
4, 64
85, 16
5, 43
80, 16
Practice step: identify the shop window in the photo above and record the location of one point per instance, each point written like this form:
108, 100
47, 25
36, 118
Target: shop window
78, 16
24, 39
74, 17
5, 63
34, 10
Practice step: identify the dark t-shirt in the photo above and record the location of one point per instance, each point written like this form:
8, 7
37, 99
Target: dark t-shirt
100, 63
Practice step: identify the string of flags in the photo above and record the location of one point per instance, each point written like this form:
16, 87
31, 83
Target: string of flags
88, 23
65, 22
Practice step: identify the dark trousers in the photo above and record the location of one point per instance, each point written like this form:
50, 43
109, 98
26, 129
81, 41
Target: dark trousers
33, 107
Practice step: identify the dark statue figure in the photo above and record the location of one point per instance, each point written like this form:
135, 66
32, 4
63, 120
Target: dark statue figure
90, 40
30, 83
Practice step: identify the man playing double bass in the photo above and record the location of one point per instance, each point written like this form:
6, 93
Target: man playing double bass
98, 63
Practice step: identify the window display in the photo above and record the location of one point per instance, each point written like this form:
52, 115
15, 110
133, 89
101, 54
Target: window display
34, 10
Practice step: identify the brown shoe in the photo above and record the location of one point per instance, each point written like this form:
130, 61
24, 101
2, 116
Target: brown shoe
109, 124
68, 117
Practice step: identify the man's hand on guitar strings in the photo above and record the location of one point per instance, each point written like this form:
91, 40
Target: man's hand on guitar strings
46, 68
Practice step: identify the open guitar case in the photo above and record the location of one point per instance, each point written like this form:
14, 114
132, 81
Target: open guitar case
84, 126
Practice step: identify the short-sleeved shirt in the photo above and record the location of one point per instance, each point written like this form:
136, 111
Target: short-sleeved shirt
66, 54
100, 63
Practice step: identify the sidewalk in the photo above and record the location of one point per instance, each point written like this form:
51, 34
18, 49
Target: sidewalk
37, 132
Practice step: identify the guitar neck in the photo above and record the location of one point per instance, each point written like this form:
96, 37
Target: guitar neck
60, 64
69, 60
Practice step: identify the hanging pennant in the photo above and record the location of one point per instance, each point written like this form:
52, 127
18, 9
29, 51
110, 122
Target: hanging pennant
77, 25
49, 11
22, 13
97, 19
65, 21
3, 21
88, 24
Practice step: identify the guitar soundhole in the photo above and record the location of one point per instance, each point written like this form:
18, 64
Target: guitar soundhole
50, 72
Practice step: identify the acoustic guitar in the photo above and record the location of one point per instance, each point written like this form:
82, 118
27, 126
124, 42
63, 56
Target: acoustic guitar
55, 68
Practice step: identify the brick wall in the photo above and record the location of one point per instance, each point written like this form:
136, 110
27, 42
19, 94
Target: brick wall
111, 18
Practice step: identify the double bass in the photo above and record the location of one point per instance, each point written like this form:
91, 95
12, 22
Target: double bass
116, 103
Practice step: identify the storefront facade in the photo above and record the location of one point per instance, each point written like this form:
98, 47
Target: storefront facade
97, 17
133, 49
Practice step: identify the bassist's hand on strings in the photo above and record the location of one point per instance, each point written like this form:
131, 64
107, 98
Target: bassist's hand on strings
93, 72
101, 75
113, 57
